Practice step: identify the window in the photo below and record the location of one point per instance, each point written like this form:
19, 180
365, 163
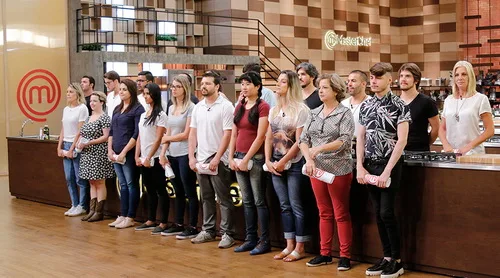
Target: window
125, 12
120, 67
166, 28
106, 24
115, 47
155, 68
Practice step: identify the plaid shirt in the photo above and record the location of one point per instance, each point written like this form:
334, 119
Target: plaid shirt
381, 117
338, 126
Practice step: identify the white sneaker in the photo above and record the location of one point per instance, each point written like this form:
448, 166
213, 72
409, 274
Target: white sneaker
118, 220
128, 222
70, 210
203, 237
79, 210
226, 241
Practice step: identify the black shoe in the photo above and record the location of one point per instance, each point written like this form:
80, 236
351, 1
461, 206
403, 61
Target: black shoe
246, 246
377, 268
175, 229
145, 226
263, 247
320, 260
189, 232
344, 264
393, 270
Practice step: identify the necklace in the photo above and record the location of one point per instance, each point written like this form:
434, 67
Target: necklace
457, 117
353, 109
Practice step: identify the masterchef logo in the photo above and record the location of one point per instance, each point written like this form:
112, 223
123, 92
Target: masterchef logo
332, 40
38, 94
318, 173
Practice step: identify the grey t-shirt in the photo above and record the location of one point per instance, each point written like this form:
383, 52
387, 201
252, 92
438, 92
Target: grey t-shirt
177, 124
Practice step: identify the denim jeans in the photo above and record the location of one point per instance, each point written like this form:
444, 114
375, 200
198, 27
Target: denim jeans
253, 189
185, 187
154, 180
71, 173
129, 187
287, 187
383, 200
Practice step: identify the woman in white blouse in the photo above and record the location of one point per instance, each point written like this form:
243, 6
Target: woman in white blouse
74, 116
463, 110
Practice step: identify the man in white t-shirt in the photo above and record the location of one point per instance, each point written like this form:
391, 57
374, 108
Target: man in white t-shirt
112, 82
356, 86
144, 78
211, 124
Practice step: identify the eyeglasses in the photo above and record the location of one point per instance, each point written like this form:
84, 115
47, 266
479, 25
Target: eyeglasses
140, 80
108, 82
176, 86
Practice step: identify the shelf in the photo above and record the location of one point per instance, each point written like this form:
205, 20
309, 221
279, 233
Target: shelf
139, 26
478, 16
488, 27
493, 40
469, 45
487, 55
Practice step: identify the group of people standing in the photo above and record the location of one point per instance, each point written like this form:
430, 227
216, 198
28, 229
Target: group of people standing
307, 125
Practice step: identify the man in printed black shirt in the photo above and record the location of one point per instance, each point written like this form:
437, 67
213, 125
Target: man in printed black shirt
383, 133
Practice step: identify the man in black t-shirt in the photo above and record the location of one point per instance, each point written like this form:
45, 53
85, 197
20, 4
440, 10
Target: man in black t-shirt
307, 75
87, 83
423, 110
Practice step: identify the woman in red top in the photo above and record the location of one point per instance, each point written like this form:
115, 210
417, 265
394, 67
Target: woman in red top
246, 157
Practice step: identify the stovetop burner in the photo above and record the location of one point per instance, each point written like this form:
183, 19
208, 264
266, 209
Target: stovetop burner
430, 157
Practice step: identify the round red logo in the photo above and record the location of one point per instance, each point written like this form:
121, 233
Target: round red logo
36, 89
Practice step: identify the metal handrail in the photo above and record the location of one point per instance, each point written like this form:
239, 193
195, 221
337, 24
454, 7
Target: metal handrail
205, 21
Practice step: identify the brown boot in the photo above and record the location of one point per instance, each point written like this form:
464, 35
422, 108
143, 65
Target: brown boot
99, 212
91, 210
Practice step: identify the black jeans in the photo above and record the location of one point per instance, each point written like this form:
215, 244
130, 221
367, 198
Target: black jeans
185, 186
154, 180
383, 200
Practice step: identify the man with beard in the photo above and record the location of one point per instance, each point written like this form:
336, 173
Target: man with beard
211, 126
88, 84
307, 75
356, 87
384, 121
423, 110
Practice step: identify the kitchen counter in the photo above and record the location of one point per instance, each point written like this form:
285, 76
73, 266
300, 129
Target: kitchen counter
454, 165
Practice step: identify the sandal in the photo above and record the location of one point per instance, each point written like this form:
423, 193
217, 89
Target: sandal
294, 256
282, 255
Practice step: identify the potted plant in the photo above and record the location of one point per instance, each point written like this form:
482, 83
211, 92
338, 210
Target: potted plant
92, 47
167, 39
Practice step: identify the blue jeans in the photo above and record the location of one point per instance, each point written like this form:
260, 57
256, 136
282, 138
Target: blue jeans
71, 173
185, 187
287, 187
129, 187
253, 189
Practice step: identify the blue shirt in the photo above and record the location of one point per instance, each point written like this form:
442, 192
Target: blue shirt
125, 126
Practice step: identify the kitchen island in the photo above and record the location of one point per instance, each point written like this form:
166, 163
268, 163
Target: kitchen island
448, 212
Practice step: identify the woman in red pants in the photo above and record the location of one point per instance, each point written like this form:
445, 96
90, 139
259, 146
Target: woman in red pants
326, 145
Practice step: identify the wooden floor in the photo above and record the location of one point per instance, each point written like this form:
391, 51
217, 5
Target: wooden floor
36, 240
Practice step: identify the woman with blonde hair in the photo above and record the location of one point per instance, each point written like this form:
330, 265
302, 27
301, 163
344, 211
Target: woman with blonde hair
74, 116
175, 154
95, 165
284, 160
463, 111
326, 145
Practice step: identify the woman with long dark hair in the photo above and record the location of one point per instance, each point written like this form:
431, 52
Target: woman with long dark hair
74, 116
151, 129
176, 144
121, 149
246, 146
284, 161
